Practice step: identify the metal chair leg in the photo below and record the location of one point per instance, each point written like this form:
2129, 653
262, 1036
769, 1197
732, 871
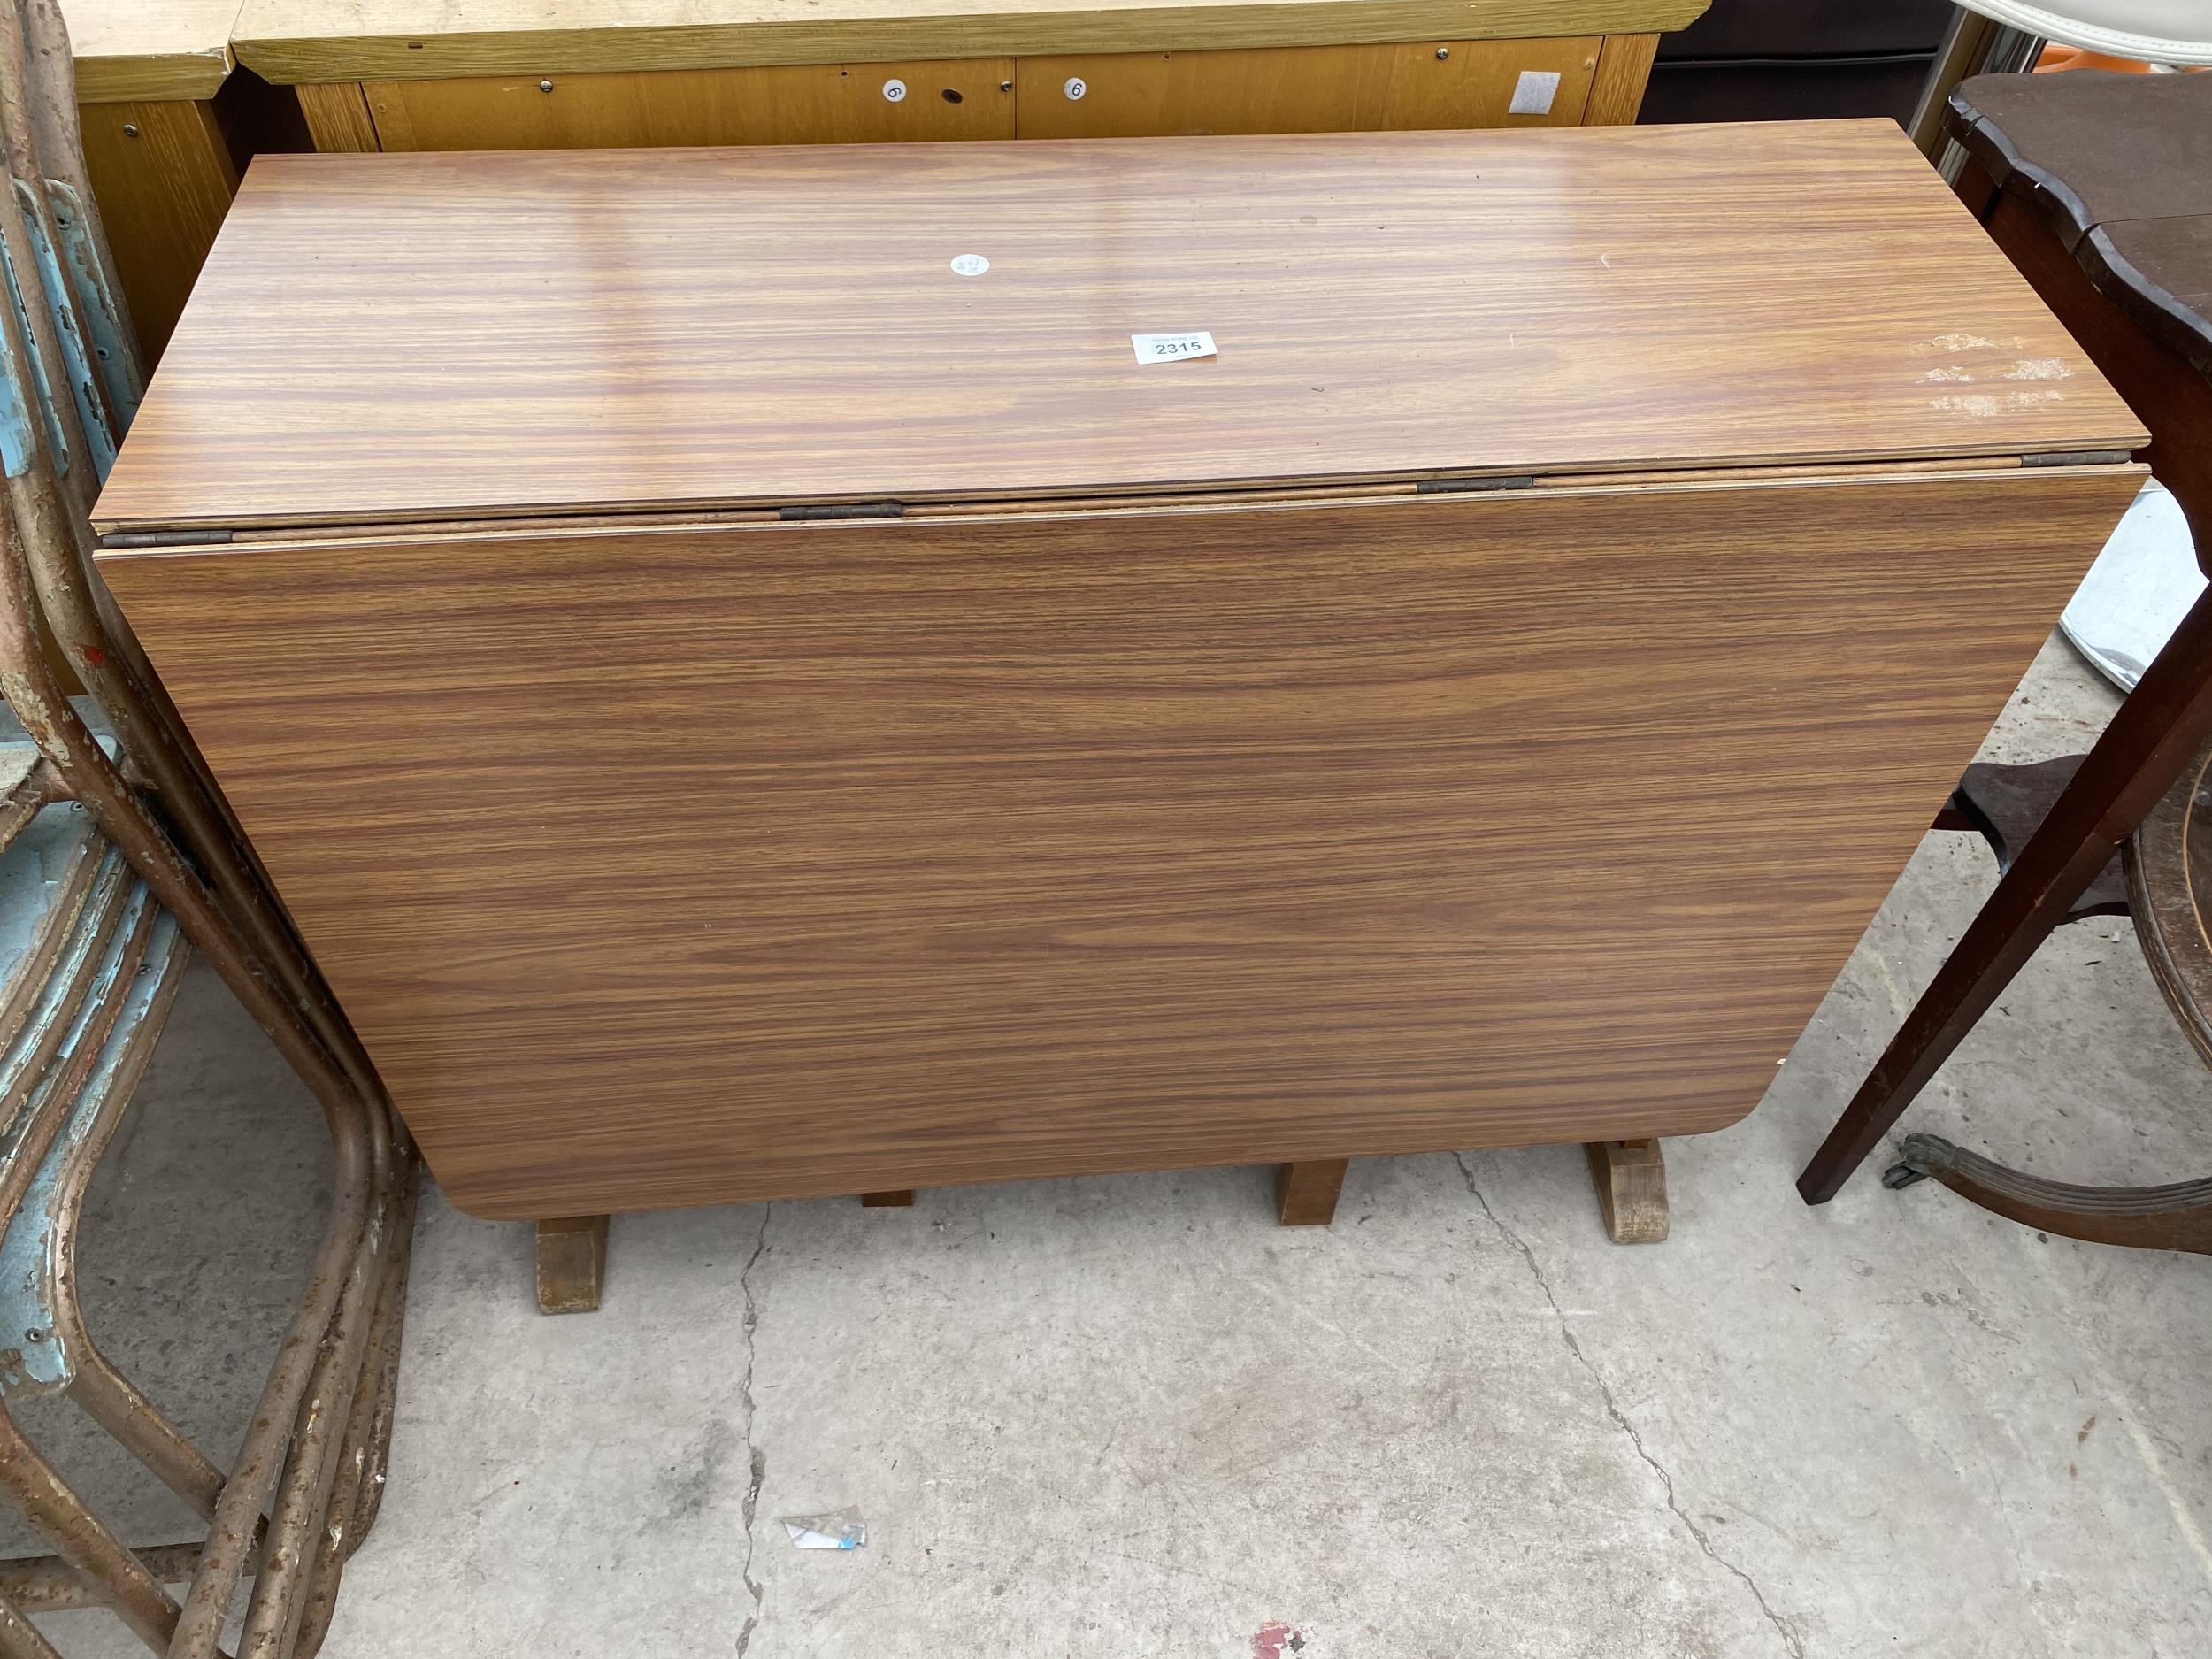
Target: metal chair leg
82, 1539
359, 1492
298, 1521
19, 1638
304, 1458
51, 74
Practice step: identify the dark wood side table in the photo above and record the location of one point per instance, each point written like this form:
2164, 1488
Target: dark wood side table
2099, 188
2168, 866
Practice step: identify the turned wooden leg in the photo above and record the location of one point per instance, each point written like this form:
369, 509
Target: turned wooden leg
1305, 1192
901, 1199
1632, 1178
571, 1263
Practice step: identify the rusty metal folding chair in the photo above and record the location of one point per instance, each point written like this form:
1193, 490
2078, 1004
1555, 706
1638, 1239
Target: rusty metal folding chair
145, 855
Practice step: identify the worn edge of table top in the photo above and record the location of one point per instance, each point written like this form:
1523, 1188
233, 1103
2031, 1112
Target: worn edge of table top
151, 50
564, 381
310, 40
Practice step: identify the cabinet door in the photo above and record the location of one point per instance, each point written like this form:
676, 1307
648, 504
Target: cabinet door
1095, 94
804, 103
1307, 88
165, 178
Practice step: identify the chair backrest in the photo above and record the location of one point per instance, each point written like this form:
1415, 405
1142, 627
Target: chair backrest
2156, 31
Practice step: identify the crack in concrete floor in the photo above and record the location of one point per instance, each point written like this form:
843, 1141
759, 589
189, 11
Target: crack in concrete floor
755, 1459
1791, 1640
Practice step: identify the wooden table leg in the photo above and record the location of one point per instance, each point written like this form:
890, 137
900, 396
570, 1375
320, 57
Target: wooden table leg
1632, 1178
2165, 720
571, 1263
1305, 1192
2172, 1217
903, 1199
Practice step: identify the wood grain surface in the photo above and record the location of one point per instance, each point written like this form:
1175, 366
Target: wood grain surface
1617, 93
337, 117
432, 336
667, 867
128, 51
289, 41
2168, 863
165, 177
1126, 95
798, 104
1300, 88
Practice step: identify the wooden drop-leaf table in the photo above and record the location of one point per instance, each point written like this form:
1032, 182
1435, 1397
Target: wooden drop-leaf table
752, 687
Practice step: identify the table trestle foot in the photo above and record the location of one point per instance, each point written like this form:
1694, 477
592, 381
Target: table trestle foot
1631, 1180
571, 1263
1305, 1192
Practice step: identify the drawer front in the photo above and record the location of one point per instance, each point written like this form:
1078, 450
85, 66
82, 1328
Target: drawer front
1307, 89
799, 103
1127, 95
726, 862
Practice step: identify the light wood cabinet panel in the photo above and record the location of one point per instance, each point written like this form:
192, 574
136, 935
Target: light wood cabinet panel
1617, 92
1306, 88
149, 51
813, 104
306, 40
165, 178
1290, 89
337, 117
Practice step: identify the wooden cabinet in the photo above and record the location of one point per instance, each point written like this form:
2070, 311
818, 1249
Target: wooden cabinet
165, 141
621, 73
741, 707
1120, 95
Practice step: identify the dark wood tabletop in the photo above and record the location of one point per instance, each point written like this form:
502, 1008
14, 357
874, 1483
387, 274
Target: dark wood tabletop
2122, 166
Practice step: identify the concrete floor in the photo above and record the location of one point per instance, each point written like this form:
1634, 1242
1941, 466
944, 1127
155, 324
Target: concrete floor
1128, 1417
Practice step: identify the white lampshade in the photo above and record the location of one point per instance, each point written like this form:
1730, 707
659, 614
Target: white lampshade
2157, 31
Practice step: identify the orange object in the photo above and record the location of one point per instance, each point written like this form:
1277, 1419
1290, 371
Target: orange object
2057, 58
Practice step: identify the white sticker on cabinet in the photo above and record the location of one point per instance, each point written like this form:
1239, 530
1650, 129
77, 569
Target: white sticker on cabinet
1534, 92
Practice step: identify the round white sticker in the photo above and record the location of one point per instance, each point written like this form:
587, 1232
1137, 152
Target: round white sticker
895, 91
1073, 86
970, 264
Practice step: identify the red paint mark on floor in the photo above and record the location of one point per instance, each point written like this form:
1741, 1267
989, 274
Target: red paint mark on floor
1277, 1640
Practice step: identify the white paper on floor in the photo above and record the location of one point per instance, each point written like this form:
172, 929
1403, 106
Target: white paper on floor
833, 1529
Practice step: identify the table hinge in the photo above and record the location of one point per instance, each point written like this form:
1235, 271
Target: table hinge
1458, 486
842, 510
164, 538
2077, 458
